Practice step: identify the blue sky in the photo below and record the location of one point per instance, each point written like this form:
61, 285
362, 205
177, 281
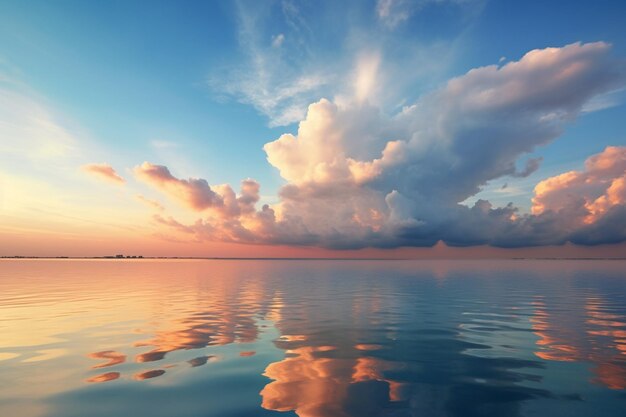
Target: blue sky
131, 73
202, 87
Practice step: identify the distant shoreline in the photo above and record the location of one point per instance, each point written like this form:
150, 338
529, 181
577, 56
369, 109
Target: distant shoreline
126, 258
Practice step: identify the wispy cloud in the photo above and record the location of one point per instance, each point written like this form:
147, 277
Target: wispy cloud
278, 40
163, 144
285, 65
366, 76
269, 80
394, 12
150, 203
103, 171
606, 101
28, 128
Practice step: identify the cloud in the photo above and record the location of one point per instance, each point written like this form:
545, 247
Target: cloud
229, 216
357, 177
29, 129
469, 132
278, 40
194, 193
586, 196
163, 144
286, 62
150, 203
532, 165
393, 12
277, 81
365, 79
103, 171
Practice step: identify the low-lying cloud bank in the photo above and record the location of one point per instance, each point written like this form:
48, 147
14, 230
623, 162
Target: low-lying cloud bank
359, 178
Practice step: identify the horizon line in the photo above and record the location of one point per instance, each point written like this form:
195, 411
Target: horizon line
140, 257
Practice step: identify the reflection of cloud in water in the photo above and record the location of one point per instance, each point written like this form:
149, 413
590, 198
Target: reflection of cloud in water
149, 374
200, 360
152, 356
109, 376
226, 313
8, 355
328, 381
375, 356
220, 325
114, 358
339, 382
201, 331
608, 334
292, 338
275, 309
367, 346
360, 339
306, 383
552, 340
46, 354
560, 338
372, 369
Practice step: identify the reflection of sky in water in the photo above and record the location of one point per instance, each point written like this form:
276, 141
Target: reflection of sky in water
312, 338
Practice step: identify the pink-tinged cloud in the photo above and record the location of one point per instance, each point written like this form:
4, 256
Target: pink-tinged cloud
197, 194
586, 196
103, 171
150, 203
357, 177
194, 193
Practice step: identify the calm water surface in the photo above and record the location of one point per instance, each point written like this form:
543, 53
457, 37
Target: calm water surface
312, 338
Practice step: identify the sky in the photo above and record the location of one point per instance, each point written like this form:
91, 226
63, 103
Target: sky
388, 128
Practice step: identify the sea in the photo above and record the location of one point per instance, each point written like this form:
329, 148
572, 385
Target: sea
312, 338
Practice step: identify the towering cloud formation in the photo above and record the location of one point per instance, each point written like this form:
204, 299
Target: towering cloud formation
356, 177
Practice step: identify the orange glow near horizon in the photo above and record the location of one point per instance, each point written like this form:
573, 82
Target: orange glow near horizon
83, 243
